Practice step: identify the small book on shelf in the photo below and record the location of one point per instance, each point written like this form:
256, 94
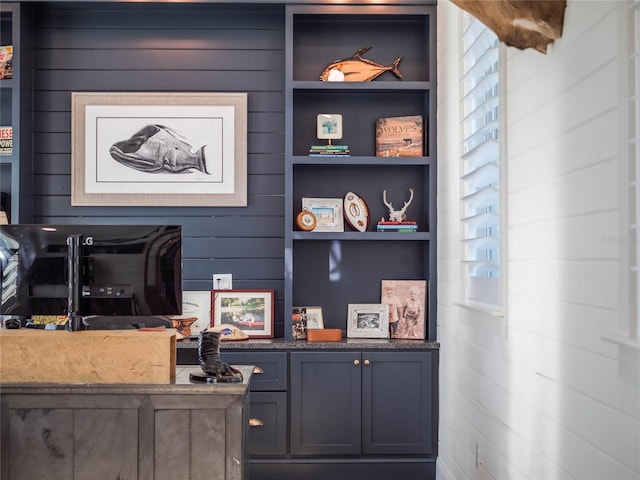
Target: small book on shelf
329, 151
6, 140
397, 228
328, 147
6, 61
400, 136
384, 226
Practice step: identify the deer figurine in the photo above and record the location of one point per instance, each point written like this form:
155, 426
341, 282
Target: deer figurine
397, 215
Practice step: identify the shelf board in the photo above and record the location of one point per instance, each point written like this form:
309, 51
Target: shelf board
358, 160
9, 159
380, 85
362, 236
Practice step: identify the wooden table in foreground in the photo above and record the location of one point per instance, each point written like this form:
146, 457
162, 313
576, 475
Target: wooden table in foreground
180, 430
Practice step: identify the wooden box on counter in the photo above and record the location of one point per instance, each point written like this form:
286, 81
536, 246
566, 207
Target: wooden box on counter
91, 356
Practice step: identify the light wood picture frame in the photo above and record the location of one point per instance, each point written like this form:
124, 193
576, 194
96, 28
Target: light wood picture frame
252, 311
368, 320
159, 149
328, 213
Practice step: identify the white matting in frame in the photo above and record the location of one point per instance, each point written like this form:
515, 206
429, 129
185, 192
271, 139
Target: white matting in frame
196, 313
328, 213
368, 320
159, 149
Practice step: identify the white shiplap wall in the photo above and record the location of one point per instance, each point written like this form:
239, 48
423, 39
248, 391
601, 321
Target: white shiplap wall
536, 394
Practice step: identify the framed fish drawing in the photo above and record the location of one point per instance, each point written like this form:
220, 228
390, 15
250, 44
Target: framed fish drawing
358, 69
159, 149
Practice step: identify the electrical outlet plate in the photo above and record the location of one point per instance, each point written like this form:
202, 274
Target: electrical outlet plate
222, 281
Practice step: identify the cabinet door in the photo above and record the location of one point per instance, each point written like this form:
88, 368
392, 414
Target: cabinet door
397, 403
268, 423
325, 403
270, 373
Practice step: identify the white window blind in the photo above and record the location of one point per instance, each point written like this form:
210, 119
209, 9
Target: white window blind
480, 154
634, 171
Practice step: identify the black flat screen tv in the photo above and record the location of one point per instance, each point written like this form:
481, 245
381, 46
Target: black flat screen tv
123, 270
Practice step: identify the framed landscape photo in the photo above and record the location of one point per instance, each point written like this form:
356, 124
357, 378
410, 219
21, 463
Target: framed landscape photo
159, 149
196, 313
328, 213
368, 320
407, 301
249, 310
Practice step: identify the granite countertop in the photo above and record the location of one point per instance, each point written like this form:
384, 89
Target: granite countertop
345, 343
181, 385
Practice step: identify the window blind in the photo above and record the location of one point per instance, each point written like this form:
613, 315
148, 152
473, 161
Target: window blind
480, 156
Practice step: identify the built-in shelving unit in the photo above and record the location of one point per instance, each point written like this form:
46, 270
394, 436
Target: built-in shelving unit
333, 270
14, 100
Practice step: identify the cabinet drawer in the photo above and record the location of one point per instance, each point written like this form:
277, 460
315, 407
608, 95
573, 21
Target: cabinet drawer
271, 371
268, 423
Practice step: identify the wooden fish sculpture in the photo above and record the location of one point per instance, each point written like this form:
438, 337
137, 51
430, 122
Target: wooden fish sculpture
357, 69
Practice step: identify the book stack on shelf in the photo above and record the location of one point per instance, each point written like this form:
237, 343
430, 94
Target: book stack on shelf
403, 227
329, 151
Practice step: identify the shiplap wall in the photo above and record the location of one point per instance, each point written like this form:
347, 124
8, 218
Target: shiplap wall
536, 394
171, 47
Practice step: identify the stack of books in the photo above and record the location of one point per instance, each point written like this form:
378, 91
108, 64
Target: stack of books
403, 227
329, 151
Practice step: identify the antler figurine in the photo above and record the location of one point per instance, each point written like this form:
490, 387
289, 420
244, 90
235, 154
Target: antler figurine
397, 215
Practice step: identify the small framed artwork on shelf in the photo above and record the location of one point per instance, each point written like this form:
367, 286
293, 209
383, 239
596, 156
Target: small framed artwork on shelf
327, 212
329, 126
305, 318
407, 302
368, 320
249, 310
196, 313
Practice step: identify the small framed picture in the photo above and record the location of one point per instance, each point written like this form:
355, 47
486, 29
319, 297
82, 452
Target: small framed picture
314, 317
329, 126
305, 318
407, 301
249, 310
196, 313
368, 320
328, 213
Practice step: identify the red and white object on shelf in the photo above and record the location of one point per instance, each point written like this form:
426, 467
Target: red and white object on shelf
356, 212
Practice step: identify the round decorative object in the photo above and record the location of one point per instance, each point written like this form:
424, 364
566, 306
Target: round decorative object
356, 212
306, 221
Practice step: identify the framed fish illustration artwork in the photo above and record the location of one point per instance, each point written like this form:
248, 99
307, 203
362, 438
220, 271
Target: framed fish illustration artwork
159, 149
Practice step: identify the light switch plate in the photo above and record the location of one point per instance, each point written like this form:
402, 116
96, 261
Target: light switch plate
222, 281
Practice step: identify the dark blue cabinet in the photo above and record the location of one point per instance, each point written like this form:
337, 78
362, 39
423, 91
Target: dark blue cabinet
363, 403
398, 403
326, 392
268, 400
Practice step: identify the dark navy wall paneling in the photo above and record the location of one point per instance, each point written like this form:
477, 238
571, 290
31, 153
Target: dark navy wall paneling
169, 47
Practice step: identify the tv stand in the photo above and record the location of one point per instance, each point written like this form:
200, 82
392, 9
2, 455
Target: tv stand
124, 322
